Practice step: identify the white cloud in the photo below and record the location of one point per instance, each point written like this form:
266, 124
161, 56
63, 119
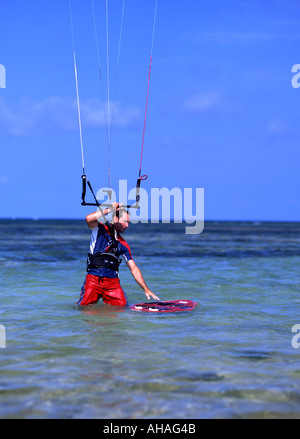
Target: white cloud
203, 102
94, 114
277, 127
3, 180
15, 121
212, 102
242, 37
30, 118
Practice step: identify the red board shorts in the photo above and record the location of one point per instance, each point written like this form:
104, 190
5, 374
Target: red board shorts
105, 288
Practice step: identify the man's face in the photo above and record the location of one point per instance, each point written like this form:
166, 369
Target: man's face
122, 223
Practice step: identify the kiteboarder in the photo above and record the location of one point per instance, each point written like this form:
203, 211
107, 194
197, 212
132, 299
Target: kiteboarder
106, 246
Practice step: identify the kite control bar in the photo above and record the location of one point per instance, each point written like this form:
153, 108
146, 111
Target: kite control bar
86, 182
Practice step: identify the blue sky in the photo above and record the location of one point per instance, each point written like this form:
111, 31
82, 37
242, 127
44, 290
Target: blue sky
222, 112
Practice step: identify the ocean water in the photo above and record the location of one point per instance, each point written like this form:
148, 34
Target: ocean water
232, 357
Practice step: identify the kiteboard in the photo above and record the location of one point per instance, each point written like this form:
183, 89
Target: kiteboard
165, 306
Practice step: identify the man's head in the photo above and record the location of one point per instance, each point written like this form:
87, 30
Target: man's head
121, 220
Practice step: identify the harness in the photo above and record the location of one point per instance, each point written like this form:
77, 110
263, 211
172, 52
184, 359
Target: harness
107, 259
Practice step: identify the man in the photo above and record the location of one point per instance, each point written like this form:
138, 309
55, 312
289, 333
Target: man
106, 246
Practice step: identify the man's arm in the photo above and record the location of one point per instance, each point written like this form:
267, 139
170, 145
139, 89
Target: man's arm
92, 219
136, 273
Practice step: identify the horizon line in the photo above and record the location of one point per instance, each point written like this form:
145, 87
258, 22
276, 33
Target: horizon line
160, 221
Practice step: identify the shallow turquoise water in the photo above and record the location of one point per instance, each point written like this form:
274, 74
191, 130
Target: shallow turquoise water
231, 357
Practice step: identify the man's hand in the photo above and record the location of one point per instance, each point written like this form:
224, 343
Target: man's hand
150, 294
115, 207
